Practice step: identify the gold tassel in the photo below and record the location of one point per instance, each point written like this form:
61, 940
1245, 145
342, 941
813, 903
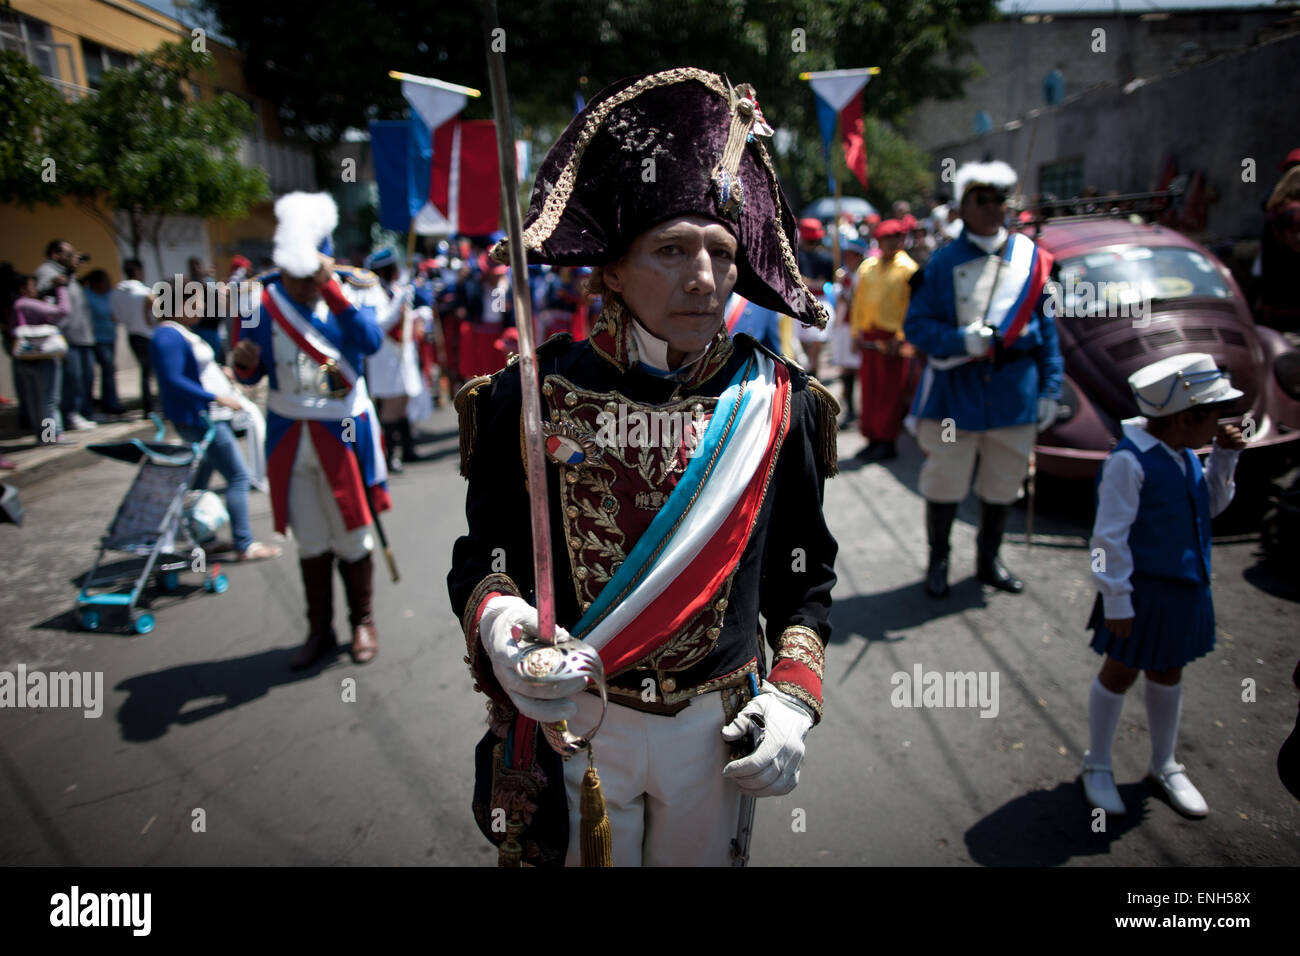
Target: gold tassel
828, 410
466, 404
597, 839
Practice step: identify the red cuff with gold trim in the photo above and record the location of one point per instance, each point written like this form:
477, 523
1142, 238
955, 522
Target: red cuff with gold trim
480, 667
797, 667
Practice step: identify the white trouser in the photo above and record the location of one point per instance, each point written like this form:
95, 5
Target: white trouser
1003, 461
314, 514
667, 801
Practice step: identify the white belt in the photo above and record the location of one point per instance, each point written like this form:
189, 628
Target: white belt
318, 407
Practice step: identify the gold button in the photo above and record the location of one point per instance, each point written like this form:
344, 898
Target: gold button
571, 511
580, 573
548, 388
575, 543
571, 477
555, 416
720, 604
713, 633
570, 399
668, 684
586, 606
611, 407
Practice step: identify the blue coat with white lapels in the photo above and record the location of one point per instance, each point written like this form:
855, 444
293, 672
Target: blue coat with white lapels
953, 292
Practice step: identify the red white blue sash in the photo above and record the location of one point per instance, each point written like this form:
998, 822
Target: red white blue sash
697, 539
286, 314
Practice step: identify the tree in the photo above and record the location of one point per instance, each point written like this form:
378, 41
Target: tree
153, 150
326, 74
41, 147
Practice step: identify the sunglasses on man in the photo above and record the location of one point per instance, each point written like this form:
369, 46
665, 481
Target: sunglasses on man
989, 197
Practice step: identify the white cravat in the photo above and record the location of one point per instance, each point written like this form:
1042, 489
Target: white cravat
652, 351
989, 244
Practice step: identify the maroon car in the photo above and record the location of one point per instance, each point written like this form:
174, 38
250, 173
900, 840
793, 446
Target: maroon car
1132, 294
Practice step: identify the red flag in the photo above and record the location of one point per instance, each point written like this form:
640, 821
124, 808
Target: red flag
465, 178
855, 146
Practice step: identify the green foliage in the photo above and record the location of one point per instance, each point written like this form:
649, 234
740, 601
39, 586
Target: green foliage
41, 145
326, 66
142, 143
156, 151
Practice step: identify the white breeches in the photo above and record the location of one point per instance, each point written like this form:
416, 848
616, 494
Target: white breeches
1003, 461
667, 801
314, 515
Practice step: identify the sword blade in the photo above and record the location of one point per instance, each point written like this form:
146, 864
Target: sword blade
744, 830
534, 448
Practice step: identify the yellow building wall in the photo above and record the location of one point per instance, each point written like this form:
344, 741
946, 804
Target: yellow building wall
132, 28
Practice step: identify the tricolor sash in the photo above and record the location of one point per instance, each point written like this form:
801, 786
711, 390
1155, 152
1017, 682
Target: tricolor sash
288, 315
696, 540
1003, 295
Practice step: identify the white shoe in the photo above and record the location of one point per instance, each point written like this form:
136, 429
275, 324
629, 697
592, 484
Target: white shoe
1099, 786
1185, 798
79, 423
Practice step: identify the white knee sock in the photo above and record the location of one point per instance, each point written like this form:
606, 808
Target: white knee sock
1164, 707
1104, 708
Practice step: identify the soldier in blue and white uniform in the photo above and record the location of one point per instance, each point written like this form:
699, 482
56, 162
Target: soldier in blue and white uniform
993, 379
309, 337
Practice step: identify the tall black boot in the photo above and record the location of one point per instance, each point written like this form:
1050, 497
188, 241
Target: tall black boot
849, 382
939, 516
988, 566
409, 451
318, 584
391, 457
359, 584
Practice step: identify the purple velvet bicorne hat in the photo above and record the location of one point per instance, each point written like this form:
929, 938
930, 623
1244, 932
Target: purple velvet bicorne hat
655, 147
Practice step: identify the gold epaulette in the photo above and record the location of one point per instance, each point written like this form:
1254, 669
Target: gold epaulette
828, 429
357, 277
466, 404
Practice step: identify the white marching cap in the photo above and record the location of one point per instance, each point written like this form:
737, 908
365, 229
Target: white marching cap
1180, 382
304, 222
996, 175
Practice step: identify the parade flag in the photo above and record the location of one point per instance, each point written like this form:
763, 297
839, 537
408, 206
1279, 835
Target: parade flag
398, 181
839, 95
453, 174
523, 158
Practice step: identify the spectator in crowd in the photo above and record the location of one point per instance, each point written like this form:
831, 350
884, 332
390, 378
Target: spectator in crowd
815, 266
209, 327
191, 385
61, 261
393, 372
1278, 305
880, 304
132, 306
844, 353
99, 288
40, 380
9, 292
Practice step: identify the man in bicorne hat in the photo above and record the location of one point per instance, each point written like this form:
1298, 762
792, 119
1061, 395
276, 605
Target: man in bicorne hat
993, 378
310, 336
685, 479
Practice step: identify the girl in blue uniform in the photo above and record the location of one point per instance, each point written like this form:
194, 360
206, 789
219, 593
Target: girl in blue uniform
1151, 560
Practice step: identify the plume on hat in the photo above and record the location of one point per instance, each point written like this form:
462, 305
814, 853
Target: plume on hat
996, 174
303, 222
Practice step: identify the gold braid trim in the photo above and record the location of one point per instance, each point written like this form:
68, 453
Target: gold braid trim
794, 690
799, 643
821, 315
496, 581
828, 428
466, 404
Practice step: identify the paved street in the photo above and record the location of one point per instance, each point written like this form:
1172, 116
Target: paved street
204, 713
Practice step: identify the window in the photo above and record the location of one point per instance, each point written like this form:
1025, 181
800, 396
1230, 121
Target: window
31, 38
99, 59
1063, 179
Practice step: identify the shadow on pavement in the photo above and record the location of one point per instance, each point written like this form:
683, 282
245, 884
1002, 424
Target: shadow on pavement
157, 700
1051, 827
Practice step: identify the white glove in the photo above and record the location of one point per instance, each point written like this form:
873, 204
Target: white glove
979, 339
546, 703
781, 722
1047, 409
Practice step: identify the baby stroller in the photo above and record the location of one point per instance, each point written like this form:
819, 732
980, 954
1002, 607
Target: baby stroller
151, 523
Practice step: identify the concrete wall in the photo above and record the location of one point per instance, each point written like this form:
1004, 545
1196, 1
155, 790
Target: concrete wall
1210, 117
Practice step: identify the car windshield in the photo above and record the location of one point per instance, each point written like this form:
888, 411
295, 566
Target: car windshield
1128, 275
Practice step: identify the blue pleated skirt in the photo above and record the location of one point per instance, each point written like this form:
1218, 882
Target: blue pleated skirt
1173, 625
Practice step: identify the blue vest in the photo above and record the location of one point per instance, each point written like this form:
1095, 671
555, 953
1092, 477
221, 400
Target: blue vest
1170, 537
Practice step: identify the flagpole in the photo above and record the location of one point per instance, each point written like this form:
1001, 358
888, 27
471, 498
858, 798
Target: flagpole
839, 190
